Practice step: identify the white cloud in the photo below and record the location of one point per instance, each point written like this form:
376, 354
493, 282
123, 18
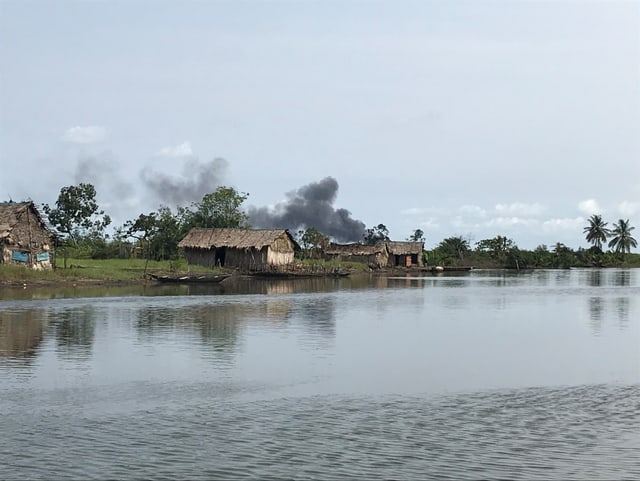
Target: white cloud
88, 134
589, 207
420, 211
563, 224
520, 209
629, 209
473, 211
510, 222
182, 150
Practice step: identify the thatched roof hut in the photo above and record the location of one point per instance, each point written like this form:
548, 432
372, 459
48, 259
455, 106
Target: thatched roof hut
384, 254
405, 254
26, 237
375, 256
244, 249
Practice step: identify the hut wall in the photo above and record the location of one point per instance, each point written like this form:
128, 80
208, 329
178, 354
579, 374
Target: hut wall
29, 243
246, 259
200, 257
279, 258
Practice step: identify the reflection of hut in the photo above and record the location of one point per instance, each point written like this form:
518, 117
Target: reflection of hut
375, 256
245, 249
26, 237
404, 254
21, 334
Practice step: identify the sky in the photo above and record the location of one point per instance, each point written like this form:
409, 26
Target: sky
460, 118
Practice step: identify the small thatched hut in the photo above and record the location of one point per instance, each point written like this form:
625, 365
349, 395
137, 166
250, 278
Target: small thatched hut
26, 237
244, 249
375, 256
404, 254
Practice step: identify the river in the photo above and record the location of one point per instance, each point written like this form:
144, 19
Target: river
485, 375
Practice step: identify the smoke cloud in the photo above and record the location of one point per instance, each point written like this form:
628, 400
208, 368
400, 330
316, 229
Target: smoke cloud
103, 171
310, 206
198, 178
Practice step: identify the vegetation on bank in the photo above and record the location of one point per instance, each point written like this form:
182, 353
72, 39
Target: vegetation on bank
149, 243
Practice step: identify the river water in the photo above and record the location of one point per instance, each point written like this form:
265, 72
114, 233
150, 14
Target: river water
533, 375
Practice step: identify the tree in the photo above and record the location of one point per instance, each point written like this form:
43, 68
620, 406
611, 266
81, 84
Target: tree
455, 247
312, 241
76, 213
417, 236
564, 257
220, 208
376, 234
142, 229
500, 248
622, 241
597, 231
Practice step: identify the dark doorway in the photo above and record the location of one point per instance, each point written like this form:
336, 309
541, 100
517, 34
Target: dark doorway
219, 256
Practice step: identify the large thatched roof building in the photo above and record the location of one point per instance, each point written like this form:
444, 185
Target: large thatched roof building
244, 249
26, 237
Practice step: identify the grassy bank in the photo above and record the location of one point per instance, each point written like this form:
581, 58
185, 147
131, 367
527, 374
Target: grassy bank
93, 270
131, 270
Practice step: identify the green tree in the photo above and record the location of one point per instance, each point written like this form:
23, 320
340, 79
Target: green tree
376, 234
221, 208
142, 229
564, 257
312, 241
455, 247
77, 214
597, 232
171, 228
417, 236
622, 241
500, 248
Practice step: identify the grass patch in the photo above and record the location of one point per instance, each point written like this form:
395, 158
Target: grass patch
96, 270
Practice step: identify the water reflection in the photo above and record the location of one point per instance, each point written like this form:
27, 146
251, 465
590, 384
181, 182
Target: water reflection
621, 277
218, 324
622, 310
21, 333
318, 317
75, 331
595, 277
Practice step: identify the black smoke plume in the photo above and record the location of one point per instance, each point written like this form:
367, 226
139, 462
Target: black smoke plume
198, 179
310, 206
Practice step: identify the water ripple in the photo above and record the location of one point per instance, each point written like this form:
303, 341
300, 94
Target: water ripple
210, 432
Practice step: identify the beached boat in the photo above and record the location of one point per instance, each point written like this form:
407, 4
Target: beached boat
190, 278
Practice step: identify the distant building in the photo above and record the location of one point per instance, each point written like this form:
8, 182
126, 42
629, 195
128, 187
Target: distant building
384, 254
26, 237
244, 249
375, 256
405, 254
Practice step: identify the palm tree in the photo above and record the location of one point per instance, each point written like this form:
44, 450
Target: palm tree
622, 241
597, 231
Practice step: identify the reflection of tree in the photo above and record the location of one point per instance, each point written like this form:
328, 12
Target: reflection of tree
622, 310
595, 277
75, 331
218, 325
621, 278
21, 333
319, 318
596, 306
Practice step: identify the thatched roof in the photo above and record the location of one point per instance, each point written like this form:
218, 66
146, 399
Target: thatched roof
404, 248
11, 212
237, 238
354, 249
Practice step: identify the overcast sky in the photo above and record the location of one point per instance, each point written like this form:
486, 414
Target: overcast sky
462, 118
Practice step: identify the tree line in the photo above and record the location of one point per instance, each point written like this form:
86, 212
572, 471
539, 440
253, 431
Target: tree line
155, 235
